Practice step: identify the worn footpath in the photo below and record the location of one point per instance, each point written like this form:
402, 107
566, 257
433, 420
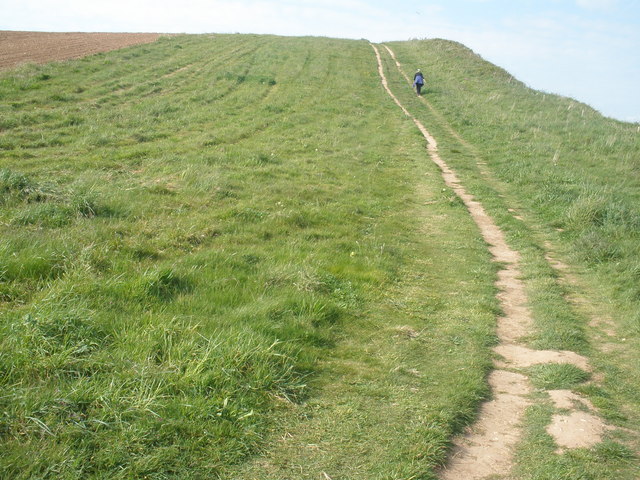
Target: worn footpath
486, 450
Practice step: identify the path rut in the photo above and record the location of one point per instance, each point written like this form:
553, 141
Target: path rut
486, 450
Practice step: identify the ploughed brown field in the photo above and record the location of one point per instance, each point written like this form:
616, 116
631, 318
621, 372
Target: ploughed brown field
43, 47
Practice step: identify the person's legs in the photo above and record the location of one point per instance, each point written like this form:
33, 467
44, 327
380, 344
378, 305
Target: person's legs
418, 88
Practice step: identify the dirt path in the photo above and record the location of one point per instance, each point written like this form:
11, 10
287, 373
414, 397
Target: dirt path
487, 448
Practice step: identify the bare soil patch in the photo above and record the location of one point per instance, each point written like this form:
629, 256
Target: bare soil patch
44, 47
486, 448
519, 356
566, 399
577, 430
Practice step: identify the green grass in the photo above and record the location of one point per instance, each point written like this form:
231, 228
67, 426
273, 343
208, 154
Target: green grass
209, 241
557, 376
571, 174
229, 256
404, 378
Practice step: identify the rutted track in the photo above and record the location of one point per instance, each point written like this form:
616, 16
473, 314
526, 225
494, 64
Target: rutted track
487, 450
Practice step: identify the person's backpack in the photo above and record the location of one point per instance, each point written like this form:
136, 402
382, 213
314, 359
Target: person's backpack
419, 80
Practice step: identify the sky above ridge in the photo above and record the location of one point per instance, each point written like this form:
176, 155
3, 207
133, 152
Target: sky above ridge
585, 49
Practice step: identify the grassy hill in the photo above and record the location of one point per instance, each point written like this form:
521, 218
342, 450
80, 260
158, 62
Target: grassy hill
214, 244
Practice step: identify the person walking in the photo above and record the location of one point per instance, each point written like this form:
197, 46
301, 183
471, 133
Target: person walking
418, 81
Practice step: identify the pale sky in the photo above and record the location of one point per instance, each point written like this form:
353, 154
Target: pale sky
585, 49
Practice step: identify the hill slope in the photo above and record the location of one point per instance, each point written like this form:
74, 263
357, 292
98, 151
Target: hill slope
561, 180
210, 243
